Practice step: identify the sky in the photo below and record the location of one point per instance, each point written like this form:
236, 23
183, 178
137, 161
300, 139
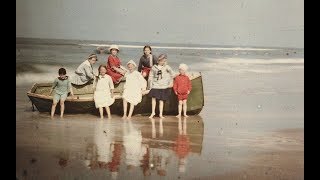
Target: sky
261, 23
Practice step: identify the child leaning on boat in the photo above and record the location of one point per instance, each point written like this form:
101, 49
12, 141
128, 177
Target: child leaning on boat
61, 87
103, 91
133, 88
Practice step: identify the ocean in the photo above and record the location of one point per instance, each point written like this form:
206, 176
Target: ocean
39, 59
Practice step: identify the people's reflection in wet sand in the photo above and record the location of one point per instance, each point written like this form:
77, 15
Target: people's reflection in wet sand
160, 157
132, 141
63, 138
63, 159
114, 164
104, 138
144, 148
182, 145
91, 155
145, 163
153, 128
105, 153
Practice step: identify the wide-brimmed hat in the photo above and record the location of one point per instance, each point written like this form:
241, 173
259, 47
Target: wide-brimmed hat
113, 46
132, 62
92, 56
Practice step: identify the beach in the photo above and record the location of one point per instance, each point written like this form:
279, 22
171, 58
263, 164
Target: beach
251, 125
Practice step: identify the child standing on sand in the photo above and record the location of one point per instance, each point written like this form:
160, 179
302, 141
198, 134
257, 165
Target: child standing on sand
160, 78
61, 87
182, 87
133, 88
103, 91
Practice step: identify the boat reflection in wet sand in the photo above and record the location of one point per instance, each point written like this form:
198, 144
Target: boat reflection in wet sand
152, 146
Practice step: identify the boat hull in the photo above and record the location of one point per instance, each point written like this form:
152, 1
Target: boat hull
43, 102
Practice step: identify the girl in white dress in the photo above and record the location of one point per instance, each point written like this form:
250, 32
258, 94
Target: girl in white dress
133, 88
103, 91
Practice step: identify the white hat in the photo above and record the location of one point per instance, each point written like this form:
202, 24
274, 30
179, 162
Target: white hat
113, 46
132, 62
183, 67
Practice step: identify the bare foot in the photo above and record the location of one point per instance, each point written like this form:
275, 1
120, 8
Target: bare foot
101, 117
61, 117
151, 116
124, 117
186, 115
110, 117
52, 117
162, 117
179, 115
129, 117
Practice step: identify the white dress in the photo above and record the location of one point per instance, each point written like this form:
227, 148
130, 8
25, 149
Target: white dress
102, 94
133, 87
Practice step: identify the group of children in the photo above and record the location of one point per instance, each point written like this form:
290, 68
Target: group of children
154, 77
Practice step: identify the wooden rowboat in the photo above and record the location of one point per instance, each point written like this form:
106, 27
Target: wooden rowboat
84, 103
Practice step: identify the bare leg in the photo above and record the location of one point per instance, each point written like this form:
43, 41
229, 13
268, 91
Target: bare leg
179, 108
108, 112
124, 109
131, 111
61, 107
53, 108
185, 108
161, 109
101, 112
153, 108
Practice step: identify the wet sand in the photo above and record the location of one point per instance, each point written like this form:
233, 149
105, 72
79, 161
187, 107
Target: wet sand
253, 135
283, 158
251, 127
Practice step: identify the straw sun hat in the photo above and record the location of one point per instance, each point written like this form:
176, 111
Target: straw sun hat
113, 46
